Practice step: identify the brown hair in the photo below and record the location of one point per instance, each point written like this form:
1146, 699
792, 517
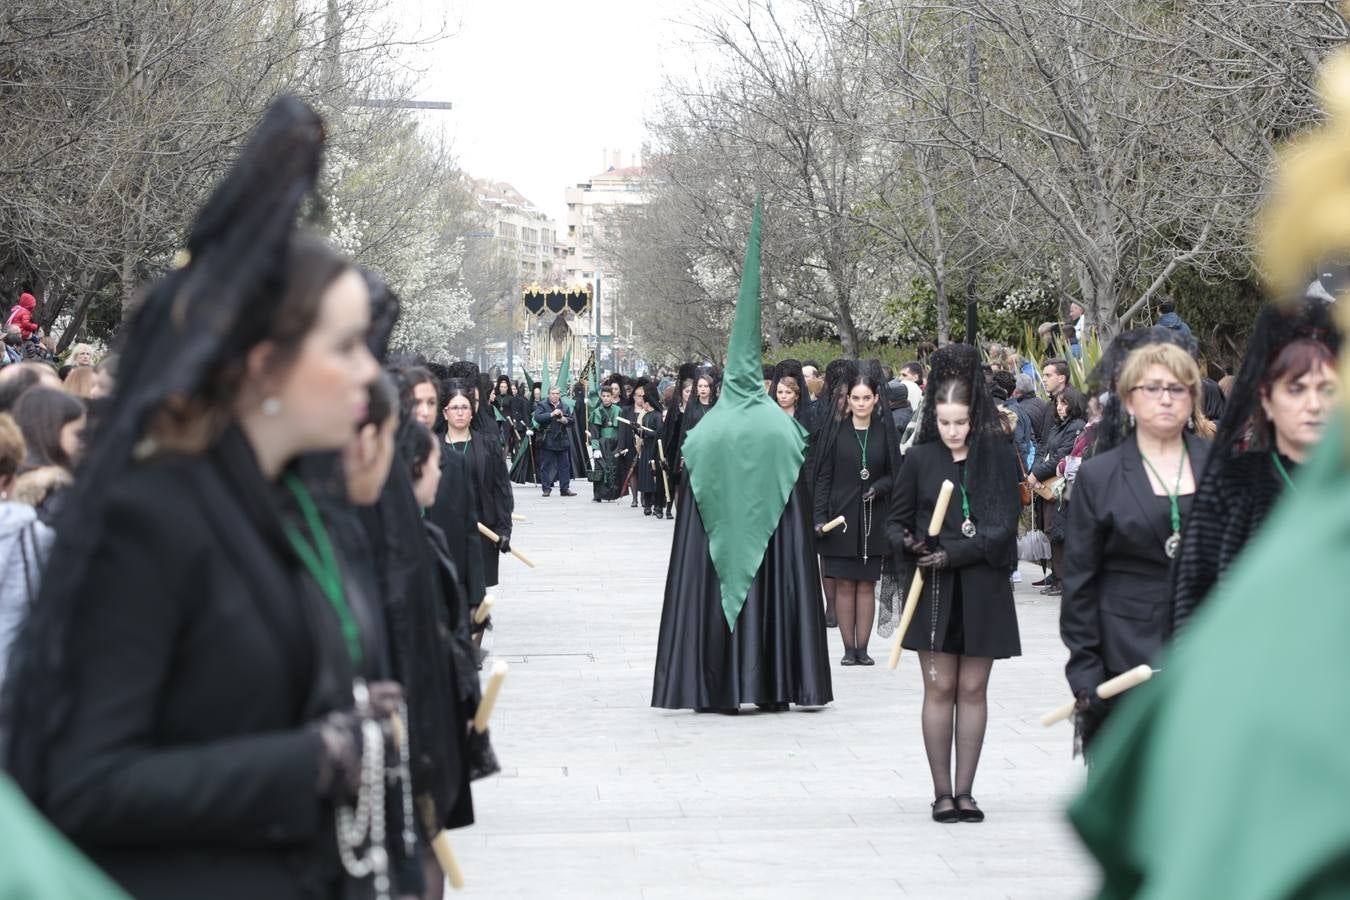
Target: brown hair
190, 424
12, 446
80, 382
41, 413
790, 381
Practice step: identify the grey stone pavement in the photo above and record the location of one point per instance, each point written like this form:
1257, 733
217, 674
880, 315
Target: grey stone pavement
602, 796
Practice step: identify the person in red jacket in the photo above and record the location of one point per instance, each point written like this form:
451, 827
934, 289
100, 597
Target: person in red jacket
21, 314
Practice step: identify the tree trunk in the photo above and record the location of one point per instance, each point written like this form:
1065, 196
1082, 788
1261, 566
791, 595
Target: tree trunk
77, 320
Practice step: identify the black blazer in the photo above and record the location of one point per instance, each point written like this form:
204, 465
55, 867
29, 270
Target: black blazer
200, 655
455, 512
1115, 613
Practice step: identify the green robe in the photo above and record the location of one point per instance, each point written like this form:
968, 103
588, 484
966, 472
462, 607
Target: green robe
36, 860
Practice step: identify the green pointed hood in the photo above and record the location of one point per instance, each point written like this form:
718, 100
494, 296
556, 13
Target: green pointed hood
745, 454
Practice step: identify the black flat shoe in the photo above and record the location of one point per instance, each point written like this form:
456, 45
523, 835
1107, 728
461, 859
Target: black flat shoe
973, 814
1053, 590
713, 710
595, 499
849, 659
945, 816
1042, 583
831, 622
773, 707
546, 493
660, 513
569, 493
646, 510
863, 659
634, 503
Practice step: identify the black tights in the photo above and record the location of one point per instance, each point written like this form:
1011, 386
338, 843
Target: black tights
855, 602
955, 702
829, 584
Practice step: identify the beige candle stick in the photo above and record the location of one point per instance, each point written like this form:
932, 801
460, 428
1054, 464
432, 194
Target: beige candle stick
517, 517
665, 479
484, 609
494, 687
916, 585
493, 536
833, 524
1106, 690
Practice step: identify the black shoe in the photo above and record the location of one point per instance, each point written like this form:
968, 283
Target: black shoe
773, 707
971, 814
634, 503
595, 499
1043, 582
547, 492
568, 493
849, 659
831, 621
945, 816
1053, 590
721, 712
660, 513
646, 510
863, 659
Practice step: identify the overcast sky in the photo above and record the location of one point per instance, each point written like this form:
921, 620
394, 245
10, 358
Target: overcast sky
541, 88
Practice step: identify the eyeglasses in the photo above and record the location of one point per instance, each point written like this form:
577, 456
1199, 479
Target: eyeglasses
1155, 390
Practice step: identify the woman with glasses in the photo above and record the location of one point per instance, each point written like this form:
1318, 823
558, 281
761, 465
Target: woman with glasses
1129, 507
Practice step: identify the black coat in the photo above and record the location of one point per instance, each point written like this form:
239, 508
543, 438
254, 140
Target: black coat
982, 563
838, 487
493, 501
1115, 613
1037, 409
455, 512
201, 655
1060, 445
649, 462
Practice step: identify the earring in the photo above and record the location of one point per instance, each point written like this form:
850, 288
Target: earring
1132, 421
271, 406
1190, 422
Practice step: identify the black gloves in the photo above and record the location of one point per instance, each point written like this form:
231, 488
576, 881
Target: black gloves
936, 559
504, 544
914, 546
869, 494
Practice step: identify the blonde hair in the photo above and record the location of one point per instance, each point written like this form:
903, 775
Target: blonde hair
13, 450
792, 383
77, 350
1170, 357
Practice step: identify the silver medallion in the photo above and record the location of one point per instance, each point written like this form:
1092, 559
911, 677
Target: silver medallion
1172, 545
968, 528
864, 474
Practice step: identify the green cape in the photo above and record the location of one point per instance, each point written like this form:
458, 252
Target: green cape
1228, 774
37, 861
745, 454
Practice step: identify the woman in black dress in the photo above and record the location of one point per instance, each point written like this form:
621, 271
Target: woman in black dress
487, 473
1125, 525
965, 618
859, 460
647, 408
181, 699
1276, 413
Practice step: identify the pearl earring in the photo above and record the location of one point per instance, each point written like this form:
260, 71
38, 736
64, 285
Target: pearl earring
1190, 423
1132, 421
271, 406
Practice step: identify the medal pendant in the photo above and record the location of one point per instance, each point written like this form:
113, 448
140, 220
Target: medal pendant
1173, 545
864, 474
968, 528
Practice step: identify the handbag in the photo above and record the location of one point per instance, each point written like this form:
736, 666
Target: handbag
1046, 489
1024, 489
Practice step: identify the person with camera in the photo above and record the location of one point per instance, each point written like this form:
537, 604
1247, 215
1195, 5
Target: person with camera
553, 419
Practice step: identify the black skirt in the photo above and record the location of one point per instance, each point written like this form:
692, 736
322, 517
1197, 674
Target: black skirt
778, 652
851, 567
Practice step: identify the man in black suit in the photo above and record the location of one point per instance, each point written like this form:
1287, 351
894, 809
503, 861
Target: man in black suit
555, 452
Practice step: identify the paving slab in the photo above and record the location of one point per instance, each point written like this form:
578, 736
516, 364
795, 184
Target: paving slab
603, 797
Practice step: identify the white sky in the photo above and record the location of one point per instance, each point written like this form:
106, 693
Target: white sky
541, 89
